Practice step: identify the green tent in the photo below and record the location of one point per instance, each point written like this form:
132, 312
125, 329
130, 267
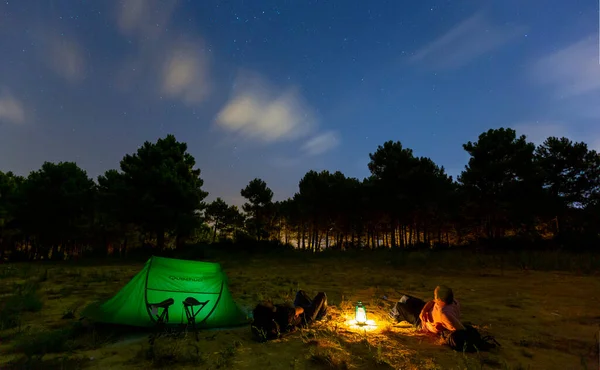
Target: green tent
164, 278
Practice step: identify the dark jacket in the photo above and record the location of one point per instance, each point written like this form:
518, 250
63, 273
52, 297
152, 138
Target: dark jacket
285, 316
270, 321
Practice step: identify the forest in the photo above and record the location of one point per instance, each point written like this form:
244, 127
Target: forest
511, 194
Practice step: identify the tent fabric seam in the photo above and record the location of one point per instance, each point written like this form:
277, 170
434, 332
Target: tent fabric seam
215, 305
146, 290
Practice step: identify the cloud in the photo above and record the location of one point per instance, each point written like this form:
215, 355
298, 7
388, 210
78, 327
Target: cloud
260, 112
146, 19
321, 143
595, 144
169, 65
64, 56
571, 71
185, 73
537, 132
286, 162
11, 109
465, 42
316, 145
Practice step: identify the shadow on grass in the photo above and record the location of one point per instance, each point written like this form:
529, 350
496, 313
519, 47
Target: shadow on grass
57, 363
76, 336
25, 298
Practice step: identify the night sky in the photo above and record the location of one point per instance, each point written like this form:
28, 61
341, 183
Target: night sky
272, 89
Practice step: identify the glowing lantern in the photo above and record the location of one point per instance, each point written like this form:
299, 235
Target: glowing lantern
361, 314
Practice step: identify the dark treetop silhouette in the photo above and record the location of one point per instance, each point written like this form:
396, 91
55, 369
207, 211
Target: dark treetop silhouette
509, 188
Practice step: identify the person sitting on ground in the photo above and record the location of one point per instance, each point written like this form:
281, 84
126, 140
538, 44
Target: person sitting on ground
436, 316
270, 320
441, 316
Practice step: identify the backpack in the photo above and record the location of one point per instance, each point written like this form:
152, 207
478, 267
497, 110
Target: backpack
470, 340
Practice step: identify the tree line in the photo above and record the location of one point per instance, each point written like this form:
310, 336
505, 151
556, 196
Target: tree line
510, 189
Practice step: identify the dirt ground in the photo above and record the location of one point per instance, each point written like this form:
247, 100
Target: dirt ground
543, 320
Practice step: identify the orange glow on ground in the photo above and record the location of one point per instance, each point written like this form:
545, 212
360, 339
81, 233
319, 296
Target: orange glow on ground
370, 325
350, 323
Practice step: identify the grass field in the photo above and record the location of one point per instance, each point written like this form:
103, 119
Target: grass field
543, 319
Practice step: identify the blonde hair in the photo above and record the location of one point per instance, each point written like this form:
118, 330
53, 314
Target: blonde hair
444, 294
